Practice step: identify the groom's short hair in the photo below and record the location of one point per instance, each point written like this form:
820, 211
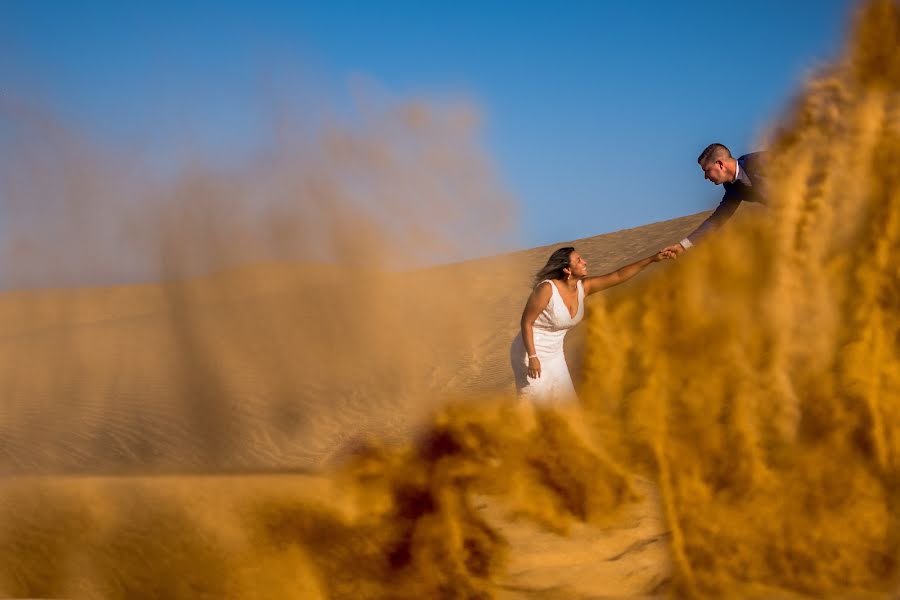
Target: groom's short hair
712, 153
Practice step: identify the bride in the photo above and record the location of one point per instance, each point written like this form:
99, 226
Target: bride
555, 306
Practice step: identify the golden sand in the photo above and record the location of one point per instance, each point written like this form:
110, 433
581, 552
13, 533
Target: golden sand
737, 436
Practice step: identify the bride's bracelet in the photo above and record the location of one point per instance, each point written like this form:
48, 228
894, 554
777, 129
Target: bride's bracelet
532, 356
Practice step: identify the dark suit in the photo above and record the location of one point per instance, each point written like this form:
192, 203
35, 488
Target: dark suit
750, 186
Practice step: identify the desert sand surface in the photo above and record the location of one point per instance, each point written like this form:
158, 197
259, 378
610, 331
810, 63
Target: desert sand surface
266, 367
313, 431
213, 382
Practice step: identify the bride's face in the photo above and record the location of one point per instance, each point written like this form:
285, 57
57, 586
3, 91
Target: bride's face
577, 265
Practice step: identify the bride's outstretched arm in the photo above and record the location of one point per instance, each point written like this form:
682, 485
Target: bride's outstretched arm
592, 285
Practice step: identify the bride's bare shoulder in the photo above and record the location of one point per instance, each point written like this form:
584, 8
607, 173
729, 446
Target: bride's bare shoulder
543, 291
543, 287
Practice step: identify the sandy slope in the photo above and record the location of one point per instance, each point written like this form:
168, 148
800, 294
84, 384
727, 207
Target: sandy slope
281, 367
267, 367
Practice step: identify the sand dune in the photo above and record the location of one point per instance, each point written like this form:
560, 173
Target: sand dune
264, 367
259, 370
736, 435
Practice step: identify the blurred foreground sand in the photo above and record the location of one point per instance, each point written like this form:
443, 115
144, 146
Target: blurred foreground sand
278, 431
191, 397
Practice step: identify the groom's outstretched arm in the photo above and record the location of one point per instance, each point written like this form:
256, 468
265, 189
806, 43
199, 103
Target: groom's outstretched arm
723, 212
729, 204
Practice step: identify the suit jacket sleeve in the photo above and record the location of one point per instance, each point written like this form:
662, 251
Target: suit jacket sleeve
723, 212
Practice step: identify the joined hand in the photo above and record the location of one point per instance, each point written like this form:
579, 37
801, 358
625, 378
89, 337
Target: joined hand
673, 251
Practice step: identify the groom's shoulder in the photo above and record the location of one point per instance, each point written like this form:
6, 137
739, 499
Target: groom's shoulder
754, 158
754, 163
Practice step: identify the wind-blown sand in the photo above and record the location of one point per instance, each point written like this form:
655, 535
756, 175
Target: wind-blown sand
102, 389
315, 431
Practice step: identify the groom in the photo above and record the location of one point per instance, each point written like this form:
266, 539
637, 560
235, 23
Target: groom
743, 179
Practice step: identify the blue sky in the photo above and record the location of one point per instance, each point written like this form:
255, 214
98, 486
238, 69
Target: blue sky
593, 112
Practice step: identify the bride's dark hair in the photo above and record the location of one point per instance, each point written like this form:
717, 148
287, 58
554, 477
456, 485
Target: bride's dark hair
558, 261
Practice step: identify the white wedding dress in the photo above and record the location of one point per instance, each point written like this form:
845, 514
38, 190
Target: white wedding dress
554, 386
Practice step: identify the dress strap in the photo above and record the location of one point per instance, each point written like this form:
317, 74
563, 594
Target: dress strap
553, 289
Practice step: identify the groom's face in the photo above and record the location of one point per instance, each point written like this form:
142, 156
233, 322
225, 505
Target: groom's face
715, 171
